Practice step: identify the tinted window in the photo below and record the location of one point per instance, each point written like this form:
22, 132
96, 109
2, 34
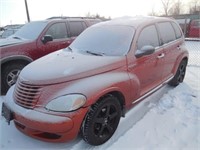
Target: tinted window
31, 30
76, 27
57, 31
166, 31
107, 40
148, 36
177, 30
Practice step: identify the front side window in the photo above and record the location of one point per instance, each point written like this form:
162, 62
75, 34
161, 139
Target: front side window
166, 31
148, 36
57, 31
76, 27
109, 40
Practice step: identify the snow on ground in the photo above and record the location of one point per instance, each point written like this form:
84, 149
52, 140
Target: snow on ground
168, 119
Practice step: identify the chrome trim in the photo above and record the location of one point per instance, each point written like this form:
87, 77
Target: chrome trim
26, 95
153, 90
170, 78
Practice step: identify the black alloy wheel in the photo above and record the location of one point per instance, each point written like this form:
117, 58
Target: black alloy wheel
101, 121
180, 74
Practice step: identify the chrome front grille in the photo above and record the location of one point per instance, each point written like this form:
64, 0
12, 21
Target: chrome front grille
26, 95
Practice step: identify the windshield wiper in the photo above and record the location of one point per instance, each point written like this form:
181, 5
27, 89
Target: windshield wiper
16, 37
95, 53
69, 48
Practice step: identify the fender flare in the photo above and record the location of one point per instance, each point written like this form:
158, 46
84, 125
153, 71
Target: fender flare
178, 61
15, 57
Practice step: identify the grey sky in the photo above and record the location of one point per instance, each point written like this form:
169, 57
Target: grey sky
13, 11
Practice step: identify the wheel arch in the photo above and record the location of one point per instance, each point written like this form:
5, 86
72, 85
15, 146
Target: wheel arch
185, 58
121, 100
88, 125
119, 96
16, 58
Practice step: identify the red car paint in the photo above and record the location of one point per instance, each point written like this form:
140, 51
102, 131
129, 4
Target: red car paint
194, 28
130, 77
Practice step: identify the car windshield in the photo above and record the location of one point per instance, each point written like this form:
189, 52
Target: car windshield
106, 40
30, 30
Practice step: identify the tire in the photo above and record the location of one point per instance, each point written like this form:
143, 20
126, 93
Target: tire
9, 75
101, 121
180, 74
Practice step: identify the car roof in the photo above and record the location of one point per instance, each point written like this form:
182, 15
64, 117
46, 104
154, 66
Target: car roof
57, 19
135, 21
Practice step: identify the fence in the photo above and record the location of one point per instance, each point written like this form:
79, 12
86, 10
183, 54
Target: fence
194, 53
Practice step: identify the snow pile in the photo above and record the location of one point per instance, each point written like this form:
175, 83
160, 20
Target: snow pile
173, 123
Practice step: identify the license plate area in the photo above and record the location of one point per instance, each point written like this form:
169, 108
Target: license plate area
7, 113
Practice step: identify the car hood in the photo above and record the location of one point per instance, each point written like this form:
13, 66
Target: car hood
62, 66
10, 41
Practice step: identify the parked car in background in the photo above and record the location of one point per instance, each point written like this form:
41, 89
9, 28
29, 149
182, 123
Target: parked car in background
34, 40
194, 28
190, 26
13, 26
87, 87
1, 31
9, 32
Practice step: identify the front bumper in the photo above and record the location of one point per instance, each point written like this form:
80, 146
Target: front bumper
45, 126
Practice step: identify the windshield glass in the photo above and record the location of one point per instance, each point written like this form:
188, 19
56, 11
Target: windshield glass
30, 30
106, 40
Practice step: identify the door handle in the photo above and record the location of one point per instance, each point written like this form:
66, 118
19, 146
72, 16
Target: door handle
131, 66
179, 47
161, 56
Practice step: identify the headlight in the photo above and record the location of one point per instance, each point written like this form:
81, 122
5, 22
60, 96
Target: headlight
67, 103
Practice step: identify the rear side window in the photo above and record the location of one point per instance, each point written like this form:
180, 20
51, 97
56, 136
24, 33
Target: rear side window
197, 24
177, 30
57, 31
166, 31
148, 36
76, 27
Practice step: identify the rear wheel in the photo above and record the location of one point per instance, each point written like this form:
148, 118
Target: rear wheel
9, 75
101, 121
180, 74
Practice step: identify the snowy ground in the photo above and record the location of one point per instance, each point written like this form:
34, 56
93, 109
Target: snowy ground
168, 119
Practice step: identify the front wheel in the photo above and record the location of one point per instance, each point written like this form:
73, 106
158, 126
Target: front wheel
180, 74
101, 121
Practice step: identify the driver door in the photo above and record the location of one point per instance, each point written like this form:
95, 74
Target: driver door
58, 31
148, 69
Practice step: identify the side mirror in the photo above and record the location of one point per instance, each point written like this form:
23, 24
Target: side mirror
145, 50
47, 38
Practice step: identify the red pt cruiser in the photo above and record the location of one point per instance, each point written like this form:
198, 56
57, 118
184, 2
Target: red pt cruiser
88, 86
